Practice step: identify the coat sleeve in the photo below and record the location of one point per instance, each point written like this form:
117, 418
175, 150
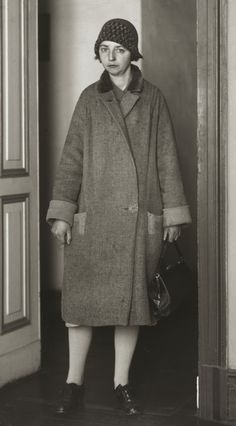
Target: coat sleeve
70, 170
175, 208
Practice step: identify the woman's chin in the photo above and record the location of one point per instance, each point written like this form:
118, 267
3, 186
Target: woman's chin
113, 70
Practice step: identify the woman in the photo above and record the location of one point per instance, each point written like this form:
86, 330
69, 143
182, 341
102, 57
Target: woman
118, 193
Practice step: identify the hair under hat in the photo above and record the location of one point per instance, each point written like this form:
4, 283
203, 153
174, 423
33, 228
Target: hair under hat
122, 32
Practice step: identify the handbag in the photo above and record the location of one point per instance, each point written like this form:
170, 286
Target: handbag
171, 284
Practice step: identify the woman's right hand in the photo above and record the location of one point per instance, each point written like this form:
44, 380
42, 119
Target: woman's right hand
62, 232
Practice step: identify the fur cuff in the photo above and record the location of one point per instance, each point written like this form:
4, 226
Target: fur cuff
61, 210
176, 216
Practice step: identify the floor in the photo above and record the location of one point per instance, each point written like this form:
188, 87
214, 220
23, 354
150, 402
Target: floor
163, 374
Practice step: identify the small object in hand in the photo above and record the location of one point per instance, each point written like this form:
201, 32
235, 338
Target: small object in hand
170, 286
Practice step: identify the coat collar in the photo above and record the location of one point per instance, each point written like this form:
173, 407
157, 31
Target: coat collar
136, 84
132, 95
129, 100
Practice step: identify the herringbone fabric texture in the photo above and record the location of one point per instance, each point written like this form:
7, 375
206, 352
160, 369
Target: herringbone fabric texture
122, 32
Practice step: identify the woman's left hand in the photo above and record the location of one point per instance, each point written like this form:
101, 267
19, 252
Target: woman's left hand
172, 233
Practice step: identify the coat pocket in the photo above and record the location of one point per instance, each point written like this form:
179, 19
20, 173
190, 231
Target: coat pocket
155, 223
80, 222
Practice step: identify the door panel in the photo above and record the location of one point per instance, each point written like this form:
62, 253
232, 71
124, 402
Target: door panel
15, 249
19, 191
14, 84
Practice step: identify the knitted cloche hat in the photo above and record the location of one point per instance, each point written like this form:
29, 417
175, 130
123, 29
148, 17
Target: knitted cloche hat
122, 32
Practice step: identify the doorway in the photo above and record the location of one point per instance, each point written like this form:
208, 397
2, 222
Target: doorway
185, 119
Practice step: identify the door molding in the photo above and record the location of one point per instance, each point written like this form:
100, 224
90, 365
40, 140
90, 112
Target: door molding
20, 348
212, 208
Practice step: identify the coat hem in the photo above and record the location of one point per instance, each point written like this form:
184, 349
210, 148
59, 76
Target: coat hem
109, 324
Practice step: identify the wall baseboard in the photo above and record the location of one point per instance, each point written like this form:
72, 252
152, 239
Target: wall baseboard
213, 393
231, 391
217, 393
28, 364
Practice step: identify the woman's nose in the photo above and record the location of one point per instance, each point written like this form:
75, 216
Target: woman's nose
112, 55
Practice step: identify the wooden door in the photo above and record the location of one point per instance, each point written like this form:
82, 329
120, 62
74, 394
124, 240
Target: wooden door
19, 191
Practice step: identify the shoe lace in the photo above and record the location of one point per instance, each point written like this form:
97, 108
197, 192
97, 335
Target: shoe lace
127, 395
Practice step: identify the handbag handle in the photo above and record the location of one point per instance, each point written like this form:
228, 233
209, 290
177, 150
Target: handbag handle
177, 248
162, 255
163, 252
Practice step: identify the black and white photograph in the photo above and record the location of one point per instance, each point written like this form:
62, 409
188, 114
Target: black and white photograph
117, 211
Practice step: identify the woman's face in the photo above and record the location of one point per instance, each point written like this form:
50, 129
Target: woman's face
114, 57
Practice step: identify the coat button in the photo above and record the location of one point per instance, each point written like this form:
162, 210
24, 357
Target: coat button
133, 208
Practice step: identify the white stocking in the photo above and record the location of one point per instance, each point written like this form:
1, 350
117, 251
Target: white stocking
79, 343
125, 339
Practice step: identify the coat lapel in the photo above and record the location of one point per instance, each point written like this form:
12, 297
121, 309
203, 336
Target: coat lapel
129, 100
109, 100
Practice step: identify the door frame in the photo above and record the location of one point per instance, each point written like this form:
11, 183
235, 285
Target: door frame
214, 393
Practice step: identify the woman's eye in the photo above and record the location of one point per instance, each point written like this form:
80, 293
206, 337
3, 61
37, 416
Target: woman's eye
103, 49
119, 50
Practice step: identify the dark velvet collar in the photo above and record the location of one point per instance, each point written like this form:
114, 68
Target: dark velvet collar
136, 84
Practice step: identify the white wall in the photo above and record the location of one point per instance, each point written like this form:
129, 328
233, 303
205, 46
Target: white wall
75, 25
231, 183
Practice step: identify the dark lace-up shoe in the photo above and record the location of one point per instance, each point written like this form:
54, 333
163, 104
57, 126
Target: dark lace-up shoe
127, 401
71, 399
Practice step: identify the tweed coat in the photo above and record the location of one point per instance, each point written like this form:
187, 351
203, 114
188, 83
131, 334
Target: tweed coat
118, 184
